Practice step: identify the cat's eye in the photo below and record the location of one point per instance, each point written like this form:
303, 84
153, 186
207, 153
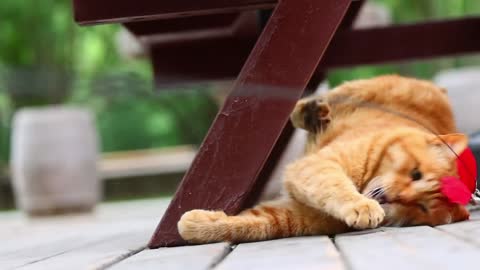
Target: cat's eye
416, 174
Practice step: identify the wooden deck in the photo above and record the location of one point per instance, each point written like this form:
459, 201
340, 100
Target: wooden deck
115, 238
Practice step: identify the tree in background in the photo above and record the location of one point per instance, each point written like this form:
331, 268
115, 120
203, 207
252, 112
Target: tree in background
37, 51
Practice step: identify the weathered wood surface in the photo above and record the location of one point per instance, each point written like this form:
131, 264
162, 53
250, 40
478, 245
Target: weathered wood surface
98, 254
468, 231
188, 257
290, 253
406, 248
97, 239
116, 235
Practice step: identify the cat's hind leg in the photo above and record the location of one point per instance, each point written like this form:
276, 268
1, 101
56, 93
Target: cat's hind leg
312, 114
278, 219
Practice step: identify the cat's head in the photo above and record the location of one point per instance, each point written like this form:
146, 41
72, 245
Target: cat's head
407, 182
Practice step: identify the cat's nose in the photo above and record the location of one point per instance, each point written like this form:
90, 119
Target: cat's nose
406, 196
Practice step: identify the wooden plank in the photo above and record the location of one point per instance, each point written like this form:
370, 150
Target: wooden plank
145, 162
30, 249
184, 61
348, 48
185, 57
182, 24
208, 53
474, 212
98, 255
93, 11
351, 15
30, 252
406, 248
403, 42
189, 257
467, 230
288, 253
246, 129
31, 241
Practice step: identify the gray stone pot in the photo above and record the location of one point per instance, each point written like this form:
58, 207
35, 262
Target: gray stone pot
53, 160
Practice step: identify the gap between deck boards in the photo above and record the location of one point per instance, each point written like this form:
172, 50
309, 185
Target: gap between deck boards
120, 258
185, 257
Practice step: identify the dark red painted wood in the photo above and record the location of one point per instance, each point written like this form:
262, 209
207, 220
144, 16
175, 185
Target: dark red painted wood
247, 127
287, 132
211, 53
121, 11
199, 60
212, 57
403, 42
182, 24
351, 15
347, 24
278, 149
359, 47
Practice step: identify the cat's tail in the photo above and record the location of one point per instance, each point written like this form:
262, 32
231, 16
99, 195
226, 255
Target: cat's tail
260, 223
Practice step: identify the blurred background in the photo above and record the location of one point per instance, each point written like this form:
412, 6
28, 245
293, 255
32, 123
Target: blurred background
147, 137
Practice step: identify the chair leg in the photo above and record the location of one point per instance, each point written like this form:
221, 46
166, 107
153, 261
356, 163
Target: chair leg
279, 150
245, 131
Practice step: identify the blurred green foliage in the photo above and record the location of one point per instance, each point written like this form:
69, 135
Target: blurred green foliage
45, 58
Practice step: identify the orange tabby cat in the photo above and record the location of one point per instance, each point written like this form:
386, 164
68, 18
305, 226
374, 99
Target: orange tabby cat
372, 160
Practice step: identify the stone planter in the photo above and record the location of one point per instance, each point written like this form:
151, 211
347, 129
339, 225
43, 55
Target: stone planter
53, 160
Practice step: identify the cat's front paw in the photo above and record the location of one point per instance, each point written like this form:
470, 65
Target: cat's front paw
363, 214
199, 226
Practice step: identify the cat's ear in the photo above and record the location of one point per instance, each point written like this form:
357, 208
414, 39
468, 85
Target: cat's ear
456, 141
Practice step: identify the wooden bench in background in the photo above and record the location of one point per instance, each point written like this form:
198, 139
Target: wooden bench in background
129, 174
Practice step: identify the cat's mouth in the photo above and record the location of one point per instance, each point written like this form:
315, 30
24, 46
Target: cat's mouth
378, 194
382, 200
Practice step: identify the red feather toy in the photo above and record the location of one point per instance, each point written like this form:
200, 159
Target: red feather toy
459, 190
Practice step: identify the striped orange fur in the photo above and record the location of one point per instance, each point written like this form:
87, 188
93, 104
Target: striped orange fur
372, 159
